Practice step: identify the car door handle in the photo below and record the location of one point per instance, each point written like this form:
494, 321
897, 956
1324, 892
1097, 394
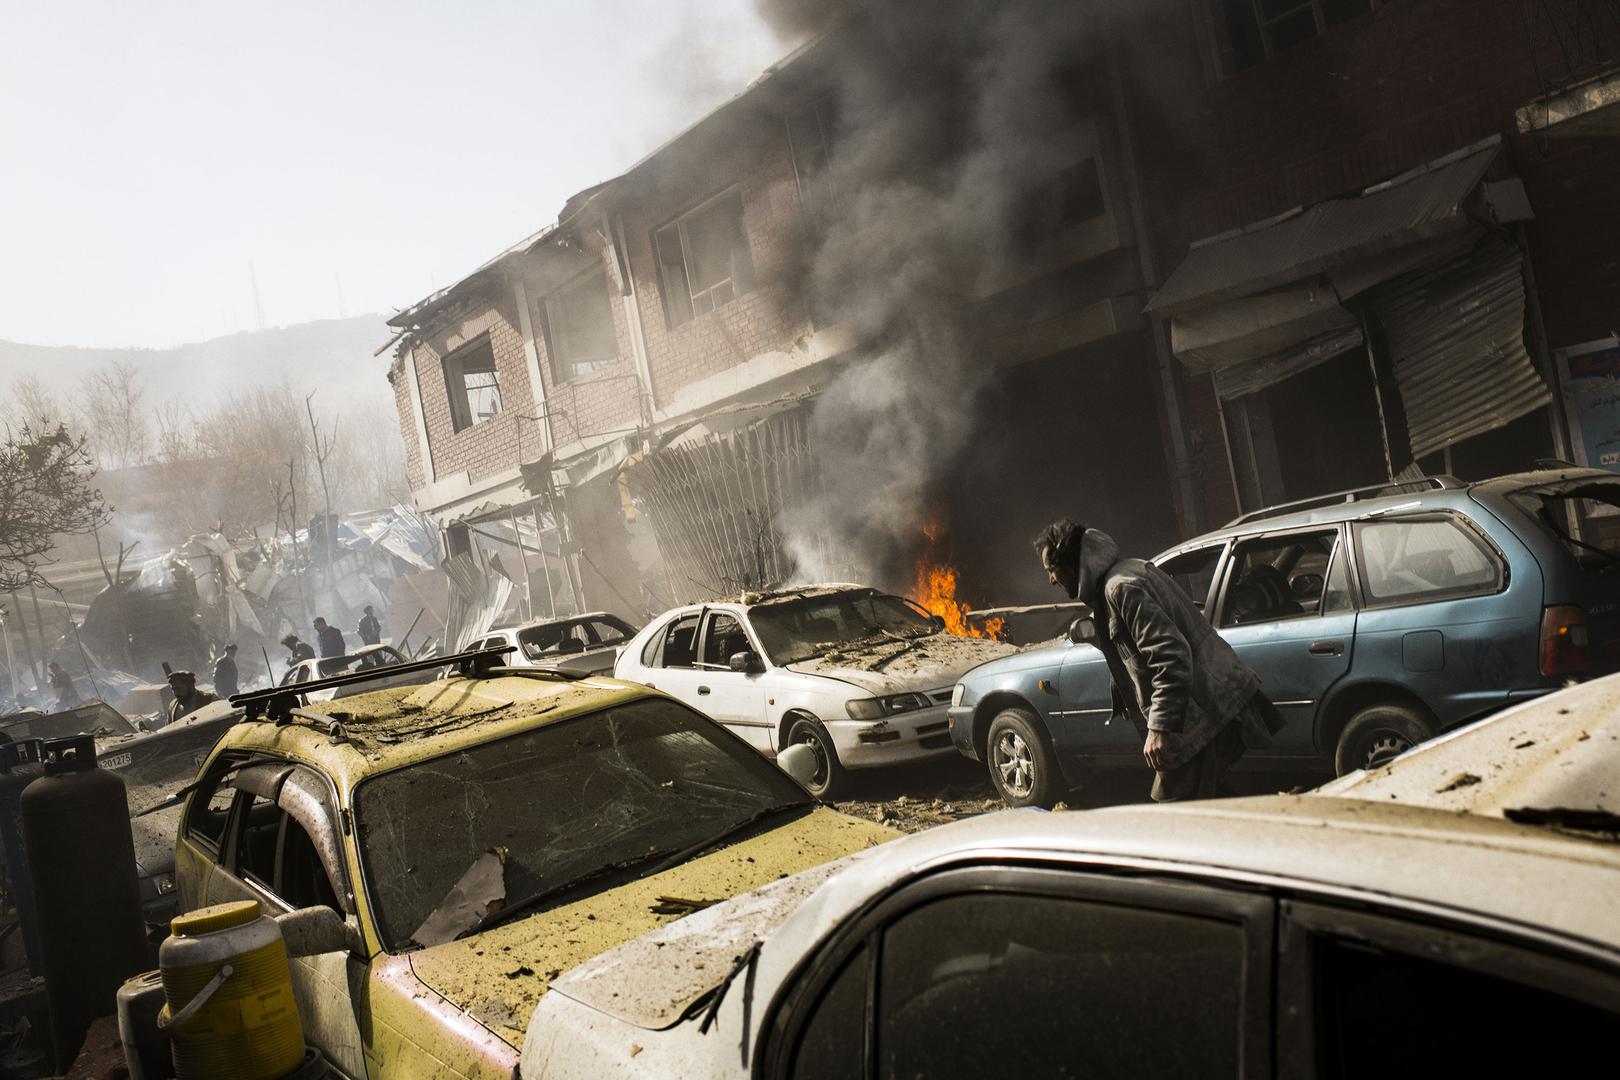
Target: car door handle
703, 689
1327, 648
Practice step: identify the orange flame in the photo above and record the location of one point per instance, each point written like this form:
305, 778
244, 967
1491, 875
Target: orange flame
935, 590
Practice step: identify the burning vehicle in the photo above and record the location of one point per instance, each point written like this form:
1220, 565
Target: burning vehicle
466, 842
861, 677
1375, 618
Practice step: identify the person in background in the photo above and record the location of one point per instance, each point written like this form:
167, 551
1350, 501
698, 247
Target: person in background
1197, 706
225, 674
330, 638
67, 695
187, 698
298, 650
370, 628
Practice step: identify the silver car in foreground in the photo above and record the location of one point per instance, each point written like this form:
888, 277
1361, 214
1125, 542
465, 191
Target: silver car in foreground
1290, 936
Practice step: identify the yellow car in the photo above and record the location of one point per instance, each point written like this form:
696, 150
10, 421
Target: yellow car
476, 837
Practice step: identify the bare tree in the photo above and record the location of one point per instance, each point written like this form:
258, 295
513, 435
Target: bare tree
45, 493
32, 404
119, 428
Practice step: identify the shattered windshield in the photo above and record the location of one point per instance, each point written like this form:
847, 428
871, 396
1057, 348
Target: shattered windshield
802, 629
446, 843
1577, 516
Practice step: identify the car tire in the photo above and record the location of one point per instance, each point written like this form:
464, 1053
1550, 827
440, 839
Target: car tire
831, 777
1023, 768
1377, 734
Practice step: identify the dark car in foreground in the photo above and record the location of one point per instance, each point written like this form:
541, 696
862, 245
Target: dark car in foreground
1375, 618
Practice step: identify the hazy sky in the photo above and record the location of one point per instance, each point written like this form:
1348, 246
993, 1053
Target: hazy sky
151, 152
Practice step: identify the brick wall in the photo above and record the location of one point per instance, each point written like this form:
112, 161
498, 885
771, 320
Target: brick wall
493, 445
756, 161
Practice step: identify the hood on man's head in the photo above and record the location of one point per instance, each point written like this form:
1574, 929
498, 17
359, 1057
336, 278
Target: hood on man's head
1098, 551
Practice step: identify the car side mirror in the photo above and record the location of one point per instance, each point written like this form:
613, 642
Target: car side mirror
799, 762
312, 931
937, 621
1082, 630
745, 662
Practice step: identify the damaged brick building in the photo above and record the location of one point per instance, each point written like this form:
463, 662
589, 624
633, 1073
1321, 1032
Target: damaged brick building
1270, 245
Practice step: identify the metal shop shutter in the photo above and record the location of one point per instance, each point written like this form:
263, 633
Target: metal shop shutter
1455, 332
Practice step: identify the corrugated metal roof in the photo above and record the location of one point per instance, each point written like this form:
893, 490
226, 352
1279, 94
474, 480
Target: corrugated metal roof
1414, 206
1456, 335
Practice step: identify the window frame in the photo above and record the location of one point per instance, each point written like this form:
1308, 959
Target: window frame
661, 637
1367, 602
455, 383
741, 620
1229, 571
788, 1013
1222, 554
332, 861
570, 369
1541, 964
679, 223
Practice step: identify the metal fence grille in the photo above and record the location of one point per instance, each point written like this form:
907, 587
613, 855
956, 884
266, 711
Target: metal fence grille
717, 504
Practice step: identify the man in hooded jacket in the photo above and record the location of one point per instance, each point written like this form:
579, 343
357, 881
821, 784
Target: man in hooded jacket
1197, 706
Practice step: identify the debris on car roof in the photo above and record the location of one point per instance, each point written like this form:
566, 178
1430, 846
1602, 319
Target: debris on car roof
903, 656
799, 592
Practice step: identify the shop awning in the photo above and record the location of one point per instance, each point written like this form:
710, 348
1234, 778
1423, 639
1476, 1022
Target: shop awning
1416, 206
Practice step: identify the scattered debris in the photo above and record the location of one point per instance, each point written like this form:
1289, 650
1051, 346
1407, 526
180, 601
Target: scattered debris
1461, 780
678, 905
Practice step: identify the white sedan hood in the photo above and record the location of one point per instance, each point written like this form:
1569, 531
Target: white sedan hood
927, 663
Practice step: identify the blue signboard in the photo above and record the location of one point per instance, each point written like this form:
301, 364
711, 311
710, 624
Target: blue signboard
1591, 377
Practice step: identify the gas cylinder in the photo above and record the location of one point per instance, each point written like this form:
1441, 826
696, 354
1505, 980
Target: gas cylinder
82, 858
230, 1008
19, 767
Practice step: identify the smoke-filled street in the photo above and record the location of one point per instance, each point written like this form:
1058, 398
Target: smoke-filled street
809, 538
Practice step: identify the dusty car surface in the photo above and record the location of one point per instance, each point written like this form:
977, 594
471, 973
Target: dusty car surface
585, 644
473, 839
362, 659
1285, 936
859, 676
1375, 620
1552, 761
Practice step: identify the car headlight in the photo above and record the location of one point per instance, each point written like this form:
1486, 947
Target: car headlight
956, 694
875, 708
864, 709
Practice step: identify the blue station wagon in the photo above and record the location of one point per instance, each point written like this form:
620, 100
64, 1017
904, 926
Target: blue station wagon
1375, 618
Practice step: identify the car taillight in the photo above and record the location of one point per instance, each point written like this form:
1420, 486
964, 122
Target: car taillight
1563, 641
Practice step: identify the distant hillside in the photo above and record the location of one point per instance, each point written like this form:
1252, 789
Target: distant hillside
332, 356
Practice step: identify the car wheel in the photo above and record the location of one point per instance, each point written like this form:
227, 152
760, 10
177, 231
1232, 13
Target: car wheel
1377, 735
831, 778
1022, 766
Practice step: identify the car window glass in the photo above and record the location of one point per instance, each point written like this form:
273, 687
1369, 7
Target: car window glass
210, 806
291, 676
1360, 990
680, 643
725, 637
831, 1046
1422, 560
301, 879
1194, 571
1336, 596
605, 633
803, 628
967, 985
258, 828
1278, 577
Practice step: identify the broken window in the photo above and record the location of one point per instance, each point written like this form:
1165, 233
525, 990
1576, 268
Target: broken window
703, 259
1280, 577
725, 638
578, 325
567, 808
1264, 28
471, 382
810, 139
679, 644
1194, 571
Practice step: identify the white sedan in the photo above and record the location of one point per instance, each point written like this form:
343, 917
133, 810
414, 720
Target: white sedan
362, 659
861, 677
